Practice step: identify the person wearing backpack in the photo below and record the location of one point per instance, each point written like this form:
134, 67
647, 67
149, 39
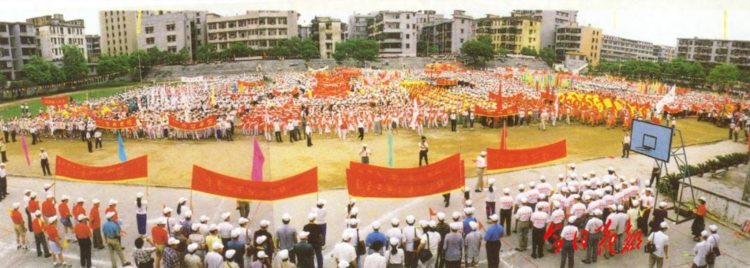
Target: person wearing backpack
660, 240
713, 242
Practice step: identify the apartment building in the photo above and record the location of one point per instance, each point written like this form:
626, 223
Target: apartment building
714, 51
395, 32
53, 32
664, 53
304, 31
326, 32
448, 35
511, 33
616, 48
425, 17
357, 26
580, 40
258, 29
93, 46
118, 30
551, 20
17, 46
174, 31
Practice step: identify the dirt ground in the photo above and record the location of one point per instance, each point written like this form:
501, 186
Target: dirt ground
170, 162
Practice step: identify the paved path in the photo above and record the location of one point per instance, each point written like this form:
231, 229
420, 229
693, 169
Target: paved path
734, 250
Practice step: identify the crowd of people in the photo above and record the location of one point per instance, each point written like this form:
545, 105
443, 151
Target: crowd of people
606, 215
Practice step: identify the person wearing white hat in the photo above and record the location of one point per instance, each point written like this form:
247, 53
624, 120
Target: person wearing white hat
364, 153
286, 235
701, 250
181, 207
225, 228
660, 240
214, 258
538, 221
112, 233
96, 224
453, 246
492, 237
44, 160
48, 206
344, 251
37, 227
55, 245
78, 208
593, 227
490, 198
304, 253
320, 213
375, 257
506, 208
374, 236
569, 235
481, 164
357, 238
83, 235
141, 211
429, 241
394, 258
523, 223
314, 237
192, 259
443, 229
699, 223
473, 244
660, 213
263, 239
411, 241
395, 231
160, 238
171, 259
237, 246
65, 216
713, 242
19, 226
213, 237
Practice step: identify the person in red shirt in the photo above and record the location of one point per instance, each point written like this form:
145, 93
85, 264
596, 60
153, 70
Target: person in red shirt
160, 237
37, 226
83, 235
54, 242
96, 224
33, 204
699, 224
64, 212
48, 207
78, 209
18, 227
112, 207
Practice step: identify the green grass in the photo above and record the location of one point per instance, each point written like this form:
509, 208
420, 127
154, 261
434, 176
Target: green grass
12, 109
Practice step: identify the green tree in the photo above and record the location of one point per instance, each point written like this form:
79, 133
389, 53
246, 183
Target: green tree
238, 50
724, 75
114, 65
206, 53
280, 52
548, 55
3, 81
528, 51
477, 52
361, 50
74, 63
426, 48
184, 56
308, 50
42, 72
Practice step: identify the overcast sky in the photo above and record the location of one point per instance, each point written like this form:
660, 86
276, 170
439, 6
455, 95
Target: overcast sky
657, 21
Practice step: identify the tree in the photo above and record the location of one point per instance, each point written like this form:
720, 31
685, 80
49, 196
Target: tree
361, 50
548, 55
113, 65
477, 52
3, 81
280, 52
724, 75
184, 56
238, 50
74, 63
205, 53
528, 51
42, 72
308, 50
426, 48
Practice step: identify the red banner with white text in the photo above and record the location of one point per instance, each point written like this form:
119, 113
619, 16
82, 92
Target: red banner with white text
126, 123
55, 101
512, 158
133, 169
195, 125
381, 182
214, 183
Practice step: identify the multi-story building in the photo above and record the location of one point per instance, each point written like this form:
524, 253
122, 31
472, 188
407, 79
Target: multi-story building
54, 32
357, 26
258, 29
174, 31
582, 40
664, 53
326, 32
395, 32
621, 49
93, 46
425, 17
714, 51
511, 33
304, 31
551, 20
448, 35
17, 46
118, 30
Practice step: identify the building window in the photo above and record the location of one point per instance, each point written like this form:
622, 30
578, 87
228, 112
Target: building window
172, 49
329, 36
149, 29
171, 38
150, 41
407, 35
170, 27
407, 46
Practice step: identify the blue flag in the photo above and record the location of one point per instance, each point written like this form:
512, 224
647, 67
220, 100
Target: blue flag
121, 148
390, 149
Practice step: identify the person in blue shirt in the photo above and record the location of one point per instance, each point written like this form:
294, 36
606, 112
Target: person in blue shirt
112, 236
469, 211
376, 235
492, 238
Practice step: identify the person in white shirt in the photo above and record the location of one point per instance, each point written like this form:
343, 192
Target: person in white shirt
411, 234
395, 232
214, 259
594, 228
701, 250
320, 217
539, 223
523, 216
481, 166
225, 229
713, 241
490, 198
506, 209
661, 243
344, 251
365, 154
569, 235
430, 240
395, 256
375, 260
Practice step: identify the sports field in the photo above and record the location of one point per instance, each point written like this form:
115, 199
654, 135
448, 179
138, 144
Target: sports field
170, 162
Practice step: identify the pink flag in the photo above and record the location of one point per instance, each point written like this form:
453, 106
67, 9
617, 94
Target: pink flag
25, 149
258, 160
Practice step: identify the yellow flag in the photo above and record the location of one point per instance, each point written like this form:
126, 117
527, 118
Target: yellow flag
213, 96
138, 24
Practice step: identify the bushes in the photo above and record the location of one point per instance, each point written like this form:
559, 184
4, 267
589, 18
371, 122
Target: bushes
670, 183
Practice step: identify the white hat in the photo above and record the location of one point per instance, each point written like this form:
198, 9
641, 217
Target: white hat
230, 253
524, 199
47, 186
260, 239
702, 198
493, 217
433, 224
664, 225
217, 245
704, 233
26, 191
110, 214
521, 186
353, 222
343, 264
468, 211
473, 225
177, 227
483, 153
713, 228
192, 247
173, 241
375, 225
597, 212
82, 217
303, 235
204, 218
181, 200
620, 208
364, 145
225, 215
424, 223
468, 203
112, 202
213, 227
610, 168
166, 210
440, 216
491, 181
140, 195
80, 200
321, 202
560, 176
354, 211
16, 205
532, 184
37, 213
284, 254
286, 217
52, 219
162, 221
65, 197
456, 215
542, 196
662, 204
242, 220
352, 200
506, 190
393, 241
264, 223
50, 195
542, 177
455, 226
346, 236
195, 227
410, 219
236, 233
572, 219
312, 216
573, 165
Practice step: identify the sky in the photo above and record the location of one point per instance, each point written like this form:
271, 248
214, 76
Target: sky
657, 21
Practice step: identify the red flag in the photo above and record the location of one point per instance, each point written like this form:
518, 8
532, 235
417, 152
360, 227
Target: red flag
431, 212
258, 160
503, 137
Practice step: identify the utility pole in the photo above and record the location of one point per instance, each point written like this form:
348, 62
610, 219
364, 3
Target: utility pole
746, 192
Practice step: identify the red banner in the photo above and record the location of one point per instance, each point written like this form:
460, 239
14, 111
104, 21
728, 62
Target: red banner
214, 183
445, 82
129, 122
512, 158
250, 84
196, 125
374, 181
133, 169
55, 101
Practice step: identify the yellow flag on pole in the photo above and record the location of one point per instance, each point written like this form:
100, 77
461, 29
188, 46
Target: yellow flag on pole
138, 23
